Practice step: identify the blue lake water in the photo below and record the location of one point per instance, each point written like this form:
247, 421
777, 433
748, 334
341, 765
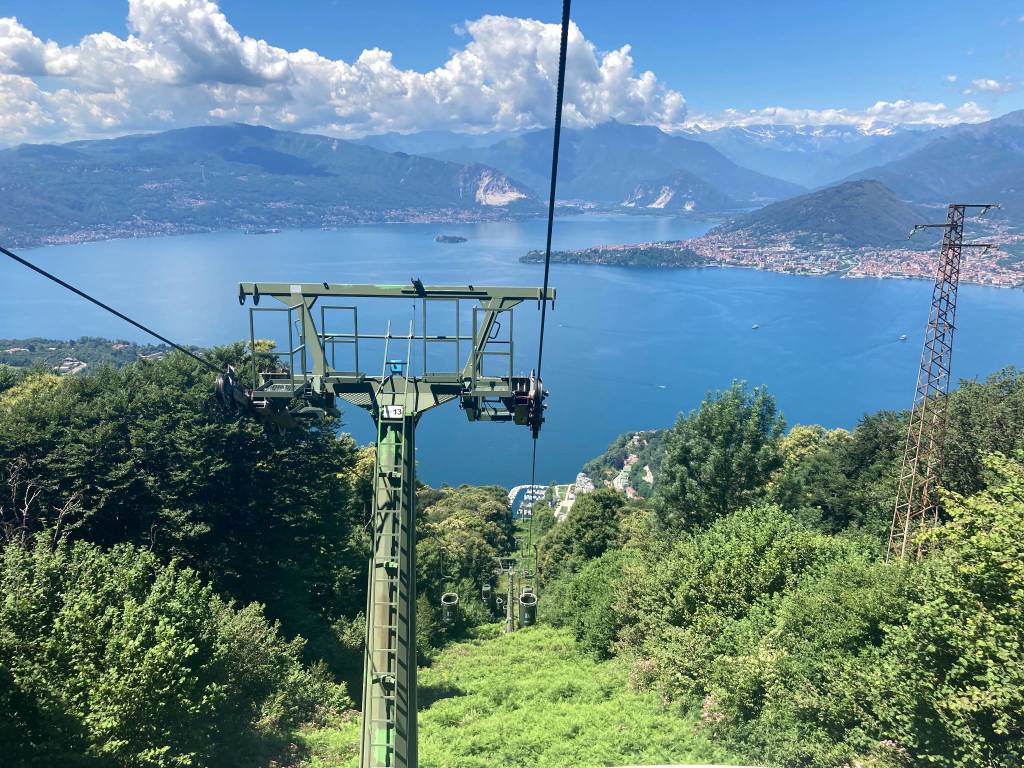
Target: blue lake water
626, 348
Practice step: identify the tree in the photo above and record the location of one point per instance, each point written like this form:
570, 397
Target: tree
984, 417
151, 459
114, 658
842, 479
590, 529
718, 458
951, 690
462, 532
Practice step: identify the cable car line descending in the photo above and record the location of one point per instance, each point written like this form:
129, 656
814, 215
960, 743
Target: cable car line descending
108, 308
539, 393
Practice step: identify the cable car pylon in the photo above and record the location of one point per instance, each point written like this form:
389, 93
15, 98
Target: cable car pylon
309, 382
917, 502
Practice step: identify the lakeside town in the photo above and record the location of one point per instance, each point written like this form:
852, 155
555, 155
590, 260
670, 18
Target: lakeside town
999, 266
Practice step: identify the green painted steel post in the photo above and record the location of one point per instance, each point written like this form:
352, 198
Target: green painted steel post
389, 733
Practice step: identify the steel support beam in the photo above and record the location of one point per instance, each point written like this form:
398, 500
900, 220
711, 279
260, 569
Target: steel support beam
917, 501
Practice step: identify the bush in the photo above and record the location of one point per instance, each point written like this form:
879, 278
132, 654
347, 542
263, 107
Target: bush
588, 602
681, 606
591, 528
951, 688
114, 658
793, 689
805, 649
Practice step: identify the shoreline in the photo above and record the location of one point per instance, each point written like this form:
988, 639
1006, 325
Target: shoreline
854, 264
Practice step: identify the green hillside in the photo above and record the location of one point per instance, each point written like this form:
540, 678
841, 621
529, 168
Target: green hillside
530, 699
853, 214
180, 587
232, 176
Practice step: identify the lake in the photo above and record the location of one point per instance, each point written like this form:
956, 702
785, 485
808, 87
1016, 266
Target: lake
625, 349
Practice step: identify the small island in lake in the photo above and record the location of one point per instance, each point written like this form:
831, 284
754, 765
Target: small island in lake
449, 239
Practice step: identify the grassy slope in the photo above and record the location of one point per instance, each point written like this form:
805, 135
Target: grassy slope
530, 699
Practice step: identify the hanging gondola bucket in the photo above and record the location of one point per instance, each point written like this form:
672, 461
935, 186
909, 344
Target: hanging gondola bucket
487, 594
527, 608
449, 608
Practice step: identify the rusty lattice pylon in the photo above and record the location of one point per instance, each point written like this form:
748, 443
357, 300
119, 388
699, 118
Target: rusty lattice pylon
917, 502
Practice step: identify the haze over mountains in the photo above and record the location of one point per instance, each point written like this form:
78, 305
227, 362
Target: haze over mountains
605, 163
811, 155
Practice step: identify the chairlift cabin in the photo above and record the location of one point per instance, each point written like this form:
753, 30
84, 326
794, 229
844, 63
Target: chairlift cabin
449, 608
527, 609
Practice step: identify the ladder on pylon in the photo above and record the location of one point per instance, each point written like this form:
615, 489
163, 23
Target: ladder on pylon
383, 599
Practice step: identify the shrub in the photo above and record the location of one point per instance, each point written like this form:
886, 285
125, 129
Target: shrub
680, 607
591, 528
113, 657
588, 602
793, 689
951, 689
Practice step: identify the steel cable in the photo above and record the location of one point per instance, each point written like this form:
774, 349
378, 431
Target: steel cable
559, 96
108, 308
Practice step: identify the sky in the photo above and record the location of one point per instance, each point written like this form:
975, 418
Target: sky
73, 69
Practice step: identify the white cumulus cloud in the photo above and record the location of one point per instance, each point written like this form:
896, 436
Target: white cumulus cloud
181, 62
879, 116
988, 85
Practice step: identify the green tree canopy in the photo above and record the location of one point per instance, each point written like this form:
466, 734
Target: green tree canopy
590, 529
718, 458
110, 658
145, 456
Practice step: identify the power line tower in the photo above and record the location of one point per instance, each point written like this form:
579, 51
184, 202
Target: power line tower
308, 382
916, 498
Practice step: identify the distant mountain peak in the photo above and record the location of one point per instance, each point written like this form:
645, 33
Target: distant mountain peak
607, 162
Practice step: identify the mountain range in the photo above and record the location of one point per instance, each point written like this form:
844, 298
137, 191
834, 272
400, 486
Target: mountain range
605, 163
812, 155
980, 163
243, 176
233, 176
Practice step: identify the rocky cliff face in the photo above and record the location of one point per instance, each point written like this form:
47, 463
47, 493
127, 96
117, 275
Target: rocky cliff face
487, 186
681, 192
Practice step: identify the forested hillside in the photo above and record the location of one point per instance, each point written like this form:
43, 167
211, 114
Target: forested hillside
180, 587
232, 177
753, 589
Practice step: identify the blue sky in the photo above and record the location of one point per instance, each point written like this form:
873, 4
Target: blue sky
717, 56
